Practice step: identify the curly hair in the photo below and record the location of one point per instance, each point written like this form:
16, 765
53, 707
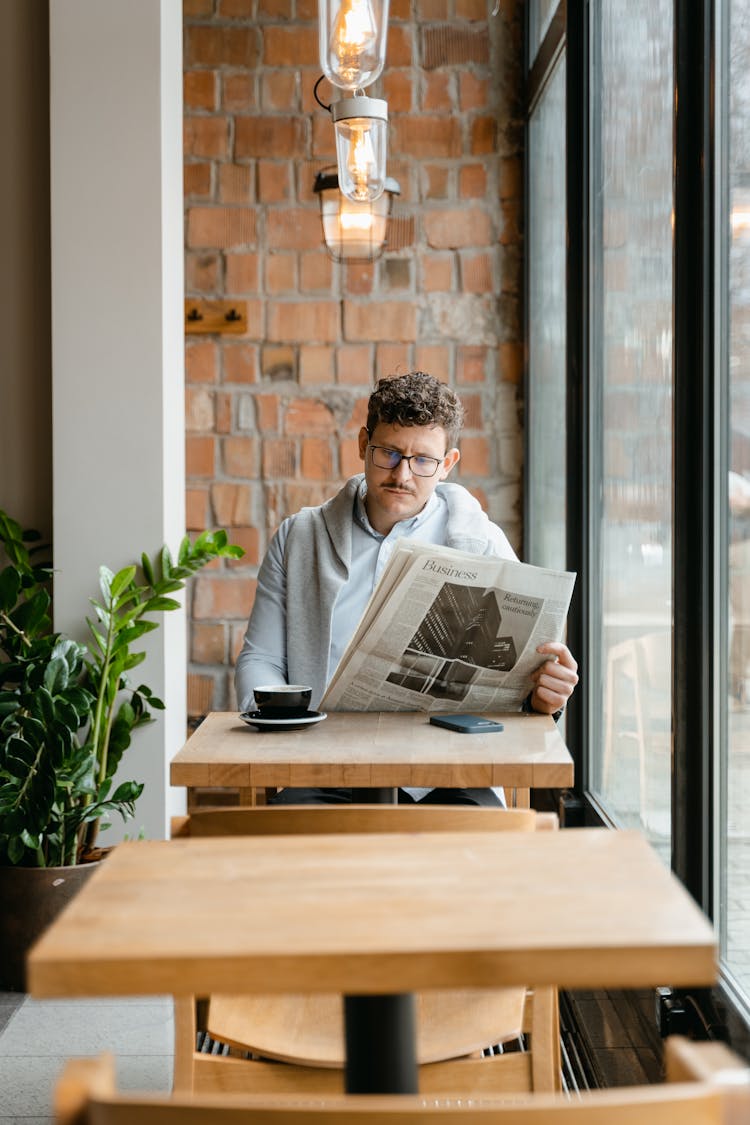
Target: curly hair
415, 399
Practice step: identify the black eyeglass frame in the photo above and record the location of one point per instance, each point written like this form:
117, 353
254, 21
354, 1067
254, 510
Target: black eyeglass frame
404, 457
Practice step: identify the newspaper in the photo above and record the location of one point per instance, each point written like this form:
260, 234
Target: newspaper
450, 631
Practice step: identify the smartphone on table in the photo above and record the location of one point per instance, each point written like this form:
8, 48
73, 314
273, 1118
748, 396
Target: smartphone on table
467, 724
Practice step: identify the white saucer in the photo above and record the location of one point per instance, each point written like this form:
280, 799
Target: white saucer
299, 722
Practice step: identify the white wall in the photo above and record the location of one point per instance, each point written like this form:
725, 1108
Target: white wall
117, 333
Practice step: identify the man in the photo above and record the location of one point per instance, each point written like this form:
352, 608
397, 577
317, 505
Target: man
323, 563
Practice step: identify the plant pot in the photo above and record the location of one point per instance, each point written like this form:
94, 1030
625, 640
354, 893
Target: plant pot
31, 898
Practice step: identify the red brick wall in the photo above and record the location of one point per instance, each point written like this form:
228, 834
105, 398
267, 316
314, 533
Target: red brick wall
272, 416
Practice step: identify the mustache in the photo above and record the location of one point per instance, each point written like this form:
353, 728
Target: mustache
398, 488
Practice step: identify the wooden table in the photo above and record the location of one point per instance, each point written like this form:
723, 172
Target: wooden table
375, 750
382, 915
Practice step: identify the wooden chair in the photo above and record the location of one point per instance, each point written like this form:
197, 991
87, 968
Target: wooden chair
706, 1085
307, 1031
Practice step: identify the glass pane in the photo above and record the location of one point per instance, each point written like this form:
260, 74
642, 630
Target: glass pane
545, 539
540, 16
631, 350
736, 817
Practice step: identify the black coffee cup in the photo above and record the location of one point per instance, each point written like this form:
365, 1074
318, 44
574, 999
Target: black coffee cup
282, 701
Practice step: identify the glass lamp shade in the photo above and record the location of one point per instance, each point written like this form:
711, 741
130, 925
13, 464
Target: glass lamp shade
352, 37
361, 132
353, 231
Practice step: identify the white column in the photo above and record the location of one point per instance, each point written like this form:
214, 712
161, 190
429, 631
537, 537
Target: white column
117, 334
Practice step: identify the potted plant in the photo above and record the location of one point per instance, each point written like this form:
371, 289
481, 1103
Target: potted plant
68, 711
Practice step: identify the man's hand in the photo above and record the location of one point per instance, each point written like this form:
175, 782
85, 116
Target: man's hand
555, 680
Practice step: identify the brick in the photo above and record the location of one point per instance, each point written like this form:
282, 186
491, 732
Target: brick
317, 459
240, 362
473, 91
511, 226
279, 459
239, 455
194, 9
278, 90
200, 456
278, 363
475, 457
236, 9
474, 419
276, 9
511, 362
207, 644
202, 273
267, 412
380, 320
236, 183
435, 359
224, 404
421, 136
451, 45
196, 180
354, 364
398, 91
274, 181
392, 359
359, 278
220, 227
196, 508
399, 10
222, 596
315, 364
437, 273
307, 322
437, 91
471, 9
471, 364
205, 136
293, 229
199, 409
349, 458
398, 50
358, 417
435, 181
199, 89
290, 46
511, 178
483, 135
310, 417
201, 361
281, 273
238, 92
221, 46
242, 273
476, 273
270, 137
249, 539
316, 272
307, 9
449, 230
430, 10
472, 181
300, 495
231, 504
323, 138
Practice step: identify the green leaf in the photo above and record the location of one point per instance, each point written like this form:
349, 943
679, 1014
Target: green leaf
10, 584
160, 604
120, 581
56, 675
147, 568
105, 583
133, 660
166, 562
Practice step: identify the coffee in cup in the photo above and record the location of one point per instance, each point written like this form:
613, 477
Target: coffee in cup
282, 701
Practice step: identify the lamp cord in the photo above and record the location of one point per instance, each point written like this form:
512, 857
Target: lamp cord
315, 94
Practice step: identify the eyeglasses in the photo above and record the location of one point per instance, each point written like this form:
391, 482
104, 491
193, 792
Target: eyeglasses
419, 465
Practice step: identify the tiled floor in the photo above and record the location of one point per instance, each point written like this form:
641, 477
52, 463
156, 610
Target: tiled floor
36, 1037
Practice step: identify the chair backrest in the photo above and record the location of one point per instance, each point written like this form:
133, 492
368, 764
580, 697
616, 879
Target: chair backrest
285, 820
715, 1090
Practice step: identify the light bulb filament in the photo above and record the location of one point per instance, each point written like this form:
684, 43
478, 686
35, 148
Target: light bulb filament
353, 40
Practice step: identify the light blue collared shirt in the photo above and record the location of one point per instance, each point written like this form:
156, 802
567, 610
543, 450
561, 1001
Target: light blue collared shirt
370, 553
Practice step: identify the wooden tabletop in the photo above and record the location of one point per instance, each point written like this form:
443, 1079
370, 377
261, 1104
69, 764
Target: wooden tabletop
582, 908
374, 749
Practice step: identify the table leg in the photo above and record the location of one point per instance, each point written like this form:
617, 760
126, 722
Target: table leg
380, 1044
